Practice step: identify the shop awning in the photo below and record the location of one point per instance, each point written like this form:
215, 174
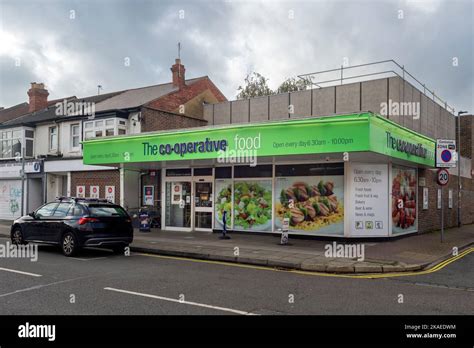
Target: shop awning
361, 132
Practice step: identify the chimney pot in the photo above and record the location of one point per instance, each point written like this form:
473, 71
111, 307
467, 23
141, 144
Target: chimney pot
38, 97
178, 72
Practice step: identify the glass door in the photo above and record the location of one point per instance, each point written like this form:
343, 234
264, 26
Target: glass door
203, 200
178, 205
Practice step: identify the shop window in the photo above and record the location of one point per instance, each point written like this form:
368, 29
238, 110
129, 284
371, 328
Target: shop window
202, 171
309, 169
404, 200
223, 172
311, 197
262, 171
253, 205
178, 172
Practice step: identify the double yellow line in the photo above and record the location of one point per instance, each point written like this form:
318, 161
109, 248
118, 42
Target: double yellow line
436, 268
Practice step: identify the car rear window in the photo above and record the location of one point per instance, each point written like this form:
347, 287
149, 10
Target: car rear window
106, 210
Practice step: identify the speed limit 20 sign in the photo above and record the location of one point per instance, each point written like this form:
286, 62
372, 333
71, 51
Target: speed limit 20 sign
442, 177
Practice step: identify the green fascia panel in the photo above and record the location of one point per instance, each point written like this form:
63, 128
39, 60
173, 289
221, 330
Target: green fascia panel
344, 133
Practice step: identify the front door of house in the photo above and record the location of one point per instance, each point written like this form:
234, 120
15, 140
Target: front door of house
203, 204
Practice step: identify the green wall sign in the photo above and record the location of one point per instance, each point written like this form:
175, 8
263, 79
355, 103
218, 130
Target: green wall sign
347, 133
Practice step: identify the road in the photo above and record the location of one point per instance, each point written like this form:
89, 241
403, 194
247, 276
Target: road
98, 282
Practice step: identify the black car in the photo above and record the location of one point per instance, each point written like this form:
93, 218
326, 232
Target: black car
73, 223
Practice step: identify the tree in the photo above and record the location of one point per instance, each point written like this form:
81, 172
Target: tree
292, 85
255, 85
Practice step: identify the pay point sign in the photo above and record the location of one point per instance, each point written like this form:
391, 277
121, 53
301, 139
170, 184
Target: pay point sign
446, 156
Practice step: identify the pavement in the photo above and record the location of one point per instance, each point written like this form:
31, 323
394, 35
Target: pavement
99, 282
405, 254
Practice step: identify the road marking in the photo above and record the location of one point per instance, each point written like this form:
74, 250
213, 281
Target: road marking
91, 259
20, 272
435, 268
224, 309
36, 287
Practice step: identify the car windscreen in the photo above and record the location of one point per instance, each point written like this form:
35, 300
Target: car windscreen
106, 210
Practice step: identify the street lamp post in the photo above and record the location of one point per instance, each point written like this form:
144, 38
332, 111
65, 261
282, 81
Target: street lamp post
459, 165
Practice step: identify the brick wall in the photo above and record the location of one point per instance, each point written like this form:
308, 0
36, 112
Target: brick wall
467, 135
96, 178
154, 120
430, 219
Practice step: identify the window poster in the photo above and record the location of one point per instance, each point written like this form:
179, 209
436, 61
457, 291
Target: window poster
404, 208
253, 205
313, 204
148, 194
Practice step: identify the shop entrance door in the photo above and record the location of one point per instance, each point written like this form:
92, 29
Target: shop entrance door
178, 205
203, 204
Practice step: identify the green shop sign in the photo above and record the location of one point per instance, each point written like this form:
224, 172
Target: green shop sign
346, 133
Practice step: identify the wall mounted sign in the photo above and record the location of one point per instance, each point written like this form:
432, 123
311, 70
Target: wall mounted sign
425, 198
94, 191
81, 191
110, 193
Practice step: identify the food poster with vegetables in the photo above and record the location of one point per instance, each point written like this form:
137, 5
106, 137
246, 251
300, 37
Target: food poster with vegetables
223, 203
253, 205
404, 209
314, 204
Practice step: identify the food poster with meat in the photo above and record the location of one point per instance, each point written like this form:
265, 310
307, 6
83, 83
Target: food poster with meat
314, 204
253, 205
223, 203
404, 209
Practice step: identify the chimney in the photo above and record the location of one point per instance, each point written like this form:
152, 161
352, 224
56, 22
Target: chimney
178, 74
38, 97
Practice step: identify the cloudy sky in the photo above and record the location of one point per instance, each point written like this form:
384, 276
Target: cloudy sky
72, 46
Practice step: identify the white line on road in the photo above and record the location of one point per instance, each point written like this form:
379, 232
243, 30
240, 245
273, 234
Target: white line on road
236, 311
91, 259
20, 272
36, 287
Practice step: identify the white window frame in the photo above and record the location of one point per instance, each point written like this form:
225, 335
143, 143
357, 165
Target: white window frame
78, 135
51, 145
104, 124
6, 135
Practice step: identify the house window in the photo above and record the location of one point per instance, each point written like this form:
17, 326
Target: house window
53, 138
75, 136
11, 141
108, 127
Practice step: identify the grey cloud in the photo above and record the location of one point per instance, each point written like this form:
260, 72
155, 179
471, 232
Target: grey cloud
227, 39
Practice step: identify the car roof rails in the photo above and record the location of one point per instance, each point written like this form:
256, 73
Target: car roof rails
82, 199
88, 199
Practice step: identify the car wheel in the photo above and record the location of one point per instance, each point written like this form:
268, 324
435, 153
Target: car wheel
69, 245
119, 249
17, 236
